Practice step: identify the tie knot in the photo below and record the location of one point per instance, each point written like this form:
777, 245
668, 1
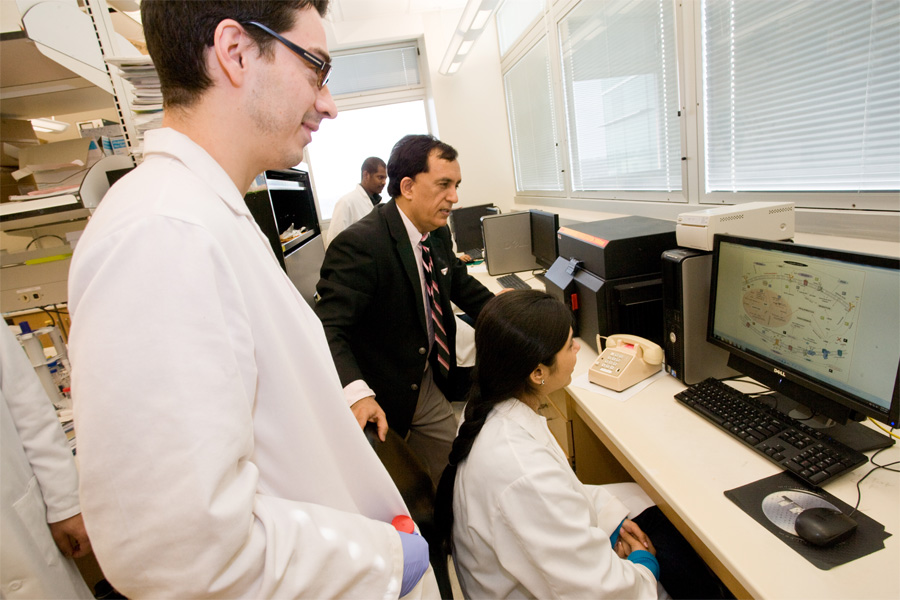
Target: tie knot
425, 238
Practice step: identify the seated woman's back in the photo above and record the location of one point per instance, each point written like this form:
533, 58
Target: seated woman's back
524, 526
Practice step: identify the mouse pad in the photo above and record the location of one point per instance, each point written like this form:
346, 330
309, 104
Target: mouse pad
775, 502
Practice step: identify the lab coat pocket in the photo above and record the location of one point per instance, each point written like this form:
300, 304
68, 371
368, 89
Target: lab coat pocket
33, 514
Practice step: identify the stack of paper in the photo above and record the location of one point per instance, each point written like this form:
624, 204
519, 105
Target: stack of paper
146, 100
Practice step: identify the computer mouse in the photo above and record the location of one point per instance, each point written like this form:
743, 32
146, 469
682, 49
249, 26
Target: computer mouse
824, 527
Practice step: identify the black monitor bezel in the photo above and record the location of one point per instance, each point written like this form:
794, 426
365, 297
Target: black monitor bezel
454, 215
818, 394
544, 261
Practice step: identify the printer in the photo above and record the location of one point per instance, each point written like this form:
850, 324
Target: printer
610, 274
766, 220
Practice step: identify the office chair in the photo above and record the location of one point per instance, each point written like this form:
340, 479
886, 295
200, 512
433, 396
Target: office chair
415, 485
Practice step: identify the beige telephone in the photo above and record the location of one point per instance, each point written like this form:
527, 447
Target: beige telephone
626, 360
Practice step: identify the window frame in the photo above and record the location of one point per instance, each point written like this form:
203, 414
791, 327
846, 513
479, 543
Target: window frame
688, 24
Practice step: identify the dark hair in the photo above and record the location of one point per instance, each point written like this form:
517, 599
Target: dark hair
409, 157
178, 34
515, 332
371, 165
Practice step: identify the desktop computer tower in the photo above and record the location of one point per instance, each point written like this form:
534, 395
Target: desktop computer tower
689, 357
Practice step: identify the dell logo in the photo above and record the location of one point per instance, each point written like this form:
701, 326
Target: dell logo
779, 372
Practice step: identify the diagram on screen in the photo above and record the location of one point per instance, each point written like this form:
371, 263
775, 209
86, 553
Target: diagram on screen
805, 311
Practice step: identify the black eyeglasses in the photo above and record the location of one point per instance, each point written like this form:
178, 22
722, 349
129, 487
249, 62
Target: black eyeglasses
322, 68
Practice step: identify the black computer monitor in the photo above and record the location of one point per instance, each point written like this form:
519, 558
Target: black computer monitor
818, 325
544, 226
465, 223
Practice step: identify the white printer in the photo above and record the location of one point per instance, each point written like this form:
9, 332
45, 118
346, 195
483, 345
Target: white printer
766, 220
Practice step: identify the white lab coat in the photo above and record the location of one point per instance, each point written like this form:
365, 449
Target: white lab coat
352, 207
525, 527
40, 485
217, 455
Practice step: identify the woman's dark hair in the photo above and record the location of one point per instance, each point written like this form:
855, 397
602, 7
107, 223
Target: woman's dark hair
409, 157
178, 34
515, 332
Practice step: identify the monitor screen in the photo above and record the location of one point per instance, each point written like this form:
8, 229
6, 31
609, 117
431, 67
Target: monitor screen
819, 325
465, 222
544, 226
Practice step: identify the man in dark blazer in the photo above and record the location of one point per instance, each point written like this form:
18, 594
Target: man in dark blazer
375, 304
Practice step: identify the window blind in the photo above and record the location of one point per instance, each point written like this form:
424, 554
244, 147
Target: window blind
375, 69
801, 95
529, 104
620, 80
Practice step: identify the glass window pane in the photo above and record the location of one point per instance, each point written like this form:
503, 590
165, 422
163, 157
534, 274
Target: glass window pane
342, 144
801, 95
620, 79
369, 70
513, 17
529, 103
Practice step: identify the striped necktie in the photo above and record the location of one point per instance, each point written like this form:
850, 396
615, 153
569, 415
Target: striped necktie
434, 296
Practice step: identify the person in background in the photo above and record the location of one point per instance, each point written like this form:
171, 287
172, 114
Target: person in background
385, 294
520, 521
41, 528
217, 456
358, 203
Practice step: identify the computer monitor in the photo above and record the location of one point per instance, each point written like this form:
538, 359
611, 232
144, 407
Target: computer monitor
818, 325
465, 223
544, 226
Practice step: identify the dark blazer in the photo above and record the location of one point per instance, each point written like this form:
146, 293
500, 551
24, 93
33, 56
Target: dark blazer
370, 302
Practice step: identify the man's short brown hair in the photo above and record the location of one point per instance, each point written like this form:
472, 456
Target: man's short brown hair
179, 32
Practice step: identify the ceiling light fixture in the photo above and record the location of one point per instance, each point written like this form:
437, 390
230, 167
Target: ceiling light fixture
471, 24
50, 125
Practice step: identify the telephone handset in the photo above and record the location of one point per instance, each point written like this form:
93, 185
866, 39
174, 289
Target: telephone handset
626, 360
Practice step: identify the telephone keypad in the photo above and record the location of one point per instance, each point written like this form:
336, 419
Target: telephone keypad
613, 362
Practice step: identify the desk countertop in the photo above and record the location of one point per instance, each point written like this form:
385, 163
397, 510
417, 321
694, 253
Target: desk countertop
688, 463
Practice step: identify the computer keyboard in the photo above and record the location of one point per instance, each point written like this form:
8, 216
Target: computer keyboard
513, 281
475, 253
809, 454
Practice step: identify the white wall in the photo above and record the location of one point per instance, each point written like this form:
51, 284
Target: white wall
468, 107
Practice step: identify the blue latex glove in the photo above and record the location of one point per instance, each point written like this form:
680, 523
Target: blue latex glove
415, 560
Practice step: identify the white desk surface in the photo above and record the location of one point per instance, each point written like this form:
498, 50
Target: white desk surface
690, 474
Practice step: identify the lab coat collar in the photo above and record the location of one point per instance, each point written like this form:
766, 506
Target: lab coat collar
522, 414
169, 142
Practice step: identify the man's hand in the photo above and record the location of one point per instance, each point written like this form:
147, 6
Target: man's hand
367, 410
71, 537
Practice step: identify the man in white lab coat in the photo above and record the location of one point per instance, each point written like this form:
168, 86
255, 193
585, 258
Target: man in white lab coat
362, 199
218, 458
39, 511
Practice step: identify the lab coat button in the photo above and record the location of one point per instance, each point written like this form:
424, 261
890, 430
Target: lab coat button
422, 351
414, 387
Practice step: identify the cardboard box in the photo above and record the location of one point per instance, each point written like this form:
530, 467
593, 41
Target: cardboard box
14, 135
56, 164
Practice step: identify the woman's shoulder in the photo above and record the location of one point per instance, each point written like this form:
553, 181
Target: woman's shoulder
514, 440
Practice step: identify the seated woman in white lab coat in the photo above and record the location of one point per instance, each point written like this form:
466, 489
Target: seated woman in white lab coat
522, 524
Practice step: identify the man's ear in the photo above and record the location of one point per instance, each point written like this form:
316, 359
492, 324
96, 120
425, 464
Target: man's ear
406, 185
232, 47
